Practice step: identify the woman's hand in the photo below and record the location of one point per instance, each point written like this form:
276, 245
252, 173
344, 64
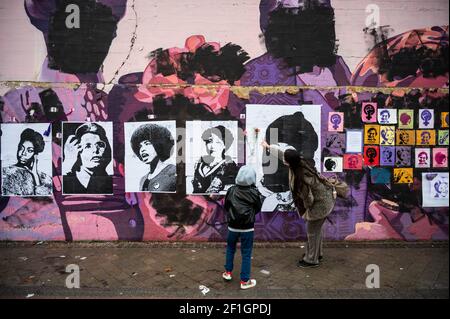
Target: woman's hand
35, 172
71, 150
265, 145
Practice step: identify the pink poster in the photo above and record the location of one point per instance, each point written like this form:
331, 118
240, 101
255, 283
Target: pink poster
353, 161
440, 157
336, 122
369, 112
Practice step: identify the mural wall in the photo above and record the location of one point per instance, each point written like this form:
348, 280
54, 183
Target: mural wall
110, 96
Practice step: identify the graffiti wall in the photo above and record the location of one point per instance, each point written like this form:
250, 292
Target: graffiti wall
119, 118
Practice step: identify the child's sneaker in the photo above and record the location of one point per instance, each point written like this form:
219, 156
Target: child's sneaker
249, 284
227, 276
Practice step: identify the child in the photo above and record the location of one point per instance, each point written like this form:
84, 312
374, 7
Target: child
242, 203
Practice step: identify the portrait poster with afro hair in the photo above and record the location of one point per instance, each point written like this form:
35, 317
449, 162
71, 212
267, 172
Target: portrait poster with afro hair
211, 156
26, 157
295, 127
150, 157
435, 190
87, 162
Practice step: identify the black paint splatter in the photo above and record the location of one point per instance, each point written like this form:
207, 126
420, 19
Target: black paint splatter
303, 38
80, 50
226, 63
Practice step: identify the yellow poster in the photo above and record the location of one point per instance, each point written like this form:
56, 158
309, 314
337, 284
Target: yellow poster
426, 137
406, 137
371, 134
403, 176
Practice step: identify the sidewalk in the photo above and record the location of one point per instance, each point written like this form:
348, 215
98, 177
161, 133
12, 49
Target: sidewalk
176, 270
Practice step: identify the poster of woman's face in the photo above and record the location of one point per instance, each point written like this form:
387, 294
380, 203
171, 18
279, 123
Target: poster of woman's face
150, 157
26, 157
406, 137
403, 156
405, 119
387, 155
426, 137
87, 165
211, 156
423, 157
426, 119
387, 116
387, 135
295, 127
435, 189
440, 157
333, 165
371, 134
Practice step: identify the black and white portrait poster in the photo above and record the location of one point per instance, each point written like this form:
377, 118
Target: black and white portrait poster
211, 156
87, 164
435, 189
297, 127
26, 154
150, 157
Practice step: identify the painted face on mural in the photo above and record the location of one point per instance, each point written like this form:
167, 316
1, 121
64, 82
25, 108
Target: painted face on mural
371, 154
81, 49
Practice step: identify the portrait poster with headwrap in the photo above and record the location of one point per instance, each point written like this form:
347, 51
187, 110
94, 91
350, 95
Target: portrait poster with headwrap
406, 119
435, 189
288, 127
150, 157
87, 163
26, 157
211, 156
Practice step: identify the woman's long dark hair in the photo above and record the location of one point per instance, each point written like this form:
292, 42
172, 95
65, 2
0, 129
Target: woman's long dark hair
299, 167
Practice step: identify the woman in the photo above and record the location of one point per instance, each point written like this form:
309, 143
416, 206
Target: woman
24, 178
215, 171
153, 145
86, 156
313, 199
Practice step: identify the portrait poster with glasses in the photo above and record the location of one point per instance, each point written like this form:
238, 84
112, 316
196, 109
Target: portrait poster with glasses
26, 157
150, 157
211, 156
87, 158
286, 127
435, 190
